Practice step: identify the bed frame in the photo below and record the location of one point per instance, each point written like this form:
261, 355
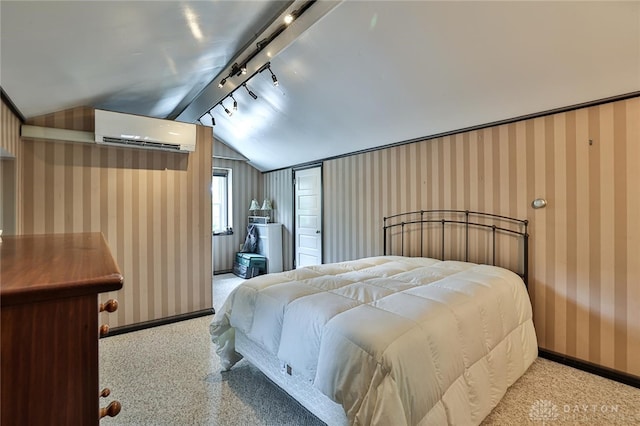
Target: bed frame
428, 222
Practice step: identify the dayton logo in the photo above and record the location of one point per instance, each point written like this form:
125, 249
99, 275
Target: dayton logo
543, 411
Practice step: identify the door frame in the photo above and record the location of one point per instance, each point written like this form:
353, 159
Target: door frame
293, 193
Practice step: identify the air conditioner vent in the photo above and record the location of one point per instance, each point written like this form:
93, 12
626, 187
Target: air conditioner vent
140, 144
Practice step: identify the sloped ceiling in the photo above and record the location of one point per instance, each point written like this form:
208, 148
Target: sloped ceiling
141, 57
362, 74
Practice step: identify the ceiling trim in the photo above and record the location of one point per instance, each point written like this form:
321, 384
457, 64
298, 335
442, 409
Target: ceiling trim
467, 129
12, 107
309, 165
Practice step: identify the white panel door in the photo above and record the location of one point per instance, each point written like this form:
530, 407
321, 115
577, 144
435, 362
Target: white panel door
308, 208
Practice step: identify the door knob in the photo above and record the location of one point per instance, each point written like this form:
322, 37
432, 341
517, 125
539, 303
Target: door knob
317, 231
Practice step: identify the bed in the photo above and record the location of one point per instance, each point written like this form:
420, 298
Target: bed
394, 339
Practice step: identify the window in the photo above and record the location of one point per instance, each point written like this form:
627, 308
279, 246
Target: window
221, 201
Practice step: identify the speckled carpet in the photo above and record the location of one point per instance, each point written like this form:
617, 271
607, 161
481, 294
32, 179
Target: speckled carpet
170, 375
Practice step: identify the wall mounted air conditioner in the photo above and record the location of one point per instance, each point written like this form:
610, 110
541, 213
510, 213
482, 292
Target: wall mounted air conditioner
134, 131
114, 128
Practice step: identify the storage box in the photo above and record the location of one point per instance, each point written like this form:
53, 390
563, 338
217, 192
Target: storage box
249, 265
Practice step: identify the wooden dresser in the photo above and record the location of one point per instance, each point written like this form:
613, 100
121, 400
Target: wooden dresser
49, 286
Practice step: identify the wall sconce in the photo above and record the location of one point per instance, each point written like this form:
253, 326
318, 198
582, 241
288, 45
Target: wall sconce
539, 203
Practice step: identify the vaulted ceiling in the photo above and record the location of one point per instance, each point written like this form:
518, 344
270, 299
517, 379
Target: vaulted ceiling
352, 75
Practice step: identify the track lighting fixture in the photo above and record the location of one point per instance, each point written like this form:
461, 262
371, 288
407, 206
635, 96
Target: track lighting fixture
241, 68
273, 76
253, 95
235, 70
238, 69
229, 113
260, 45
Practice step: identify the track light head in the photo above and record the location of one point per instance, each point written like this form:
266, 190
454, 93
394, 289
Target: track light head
213, 120
237, 70
253, 95
243, 69
261, 44
273, 77
229, 113
222, 83
288, 19
235, 103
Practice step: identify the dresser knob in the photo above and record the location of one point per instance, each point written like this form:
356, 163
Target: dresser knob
104, 330
105, 393
111, 410
110, 306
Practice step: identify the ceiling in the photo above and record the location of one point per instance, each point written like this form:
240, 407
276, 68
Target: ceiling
352, 75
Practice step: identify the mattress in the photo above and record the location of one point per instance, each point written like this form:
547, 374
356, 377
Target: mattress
391, 339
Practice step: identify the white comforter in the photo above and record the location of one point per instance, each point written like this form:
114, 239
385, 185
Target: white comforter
395, 340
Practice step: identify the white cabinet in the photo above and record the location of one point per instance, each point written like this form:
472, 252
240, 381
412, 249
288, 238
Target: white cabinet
270, 245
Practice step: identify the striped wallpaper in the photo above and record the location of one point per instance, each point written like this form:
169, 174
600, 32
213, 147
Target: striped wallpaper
153, 207
225, 152
9, 131
584, 271
247, 185
584, 268
278, 187
10, 170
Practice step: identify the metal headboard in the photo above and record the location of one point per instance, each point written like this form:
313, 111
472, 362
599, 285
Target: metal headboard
461, 218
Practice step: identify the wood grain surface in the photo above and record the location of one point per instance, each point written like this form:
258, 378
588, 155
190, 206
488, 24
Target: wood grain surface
49, 289
38, 267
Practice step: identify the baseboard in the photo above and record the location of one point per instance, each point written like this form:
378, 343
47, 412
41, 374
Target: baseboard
226, 271
162, 321
608, 373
